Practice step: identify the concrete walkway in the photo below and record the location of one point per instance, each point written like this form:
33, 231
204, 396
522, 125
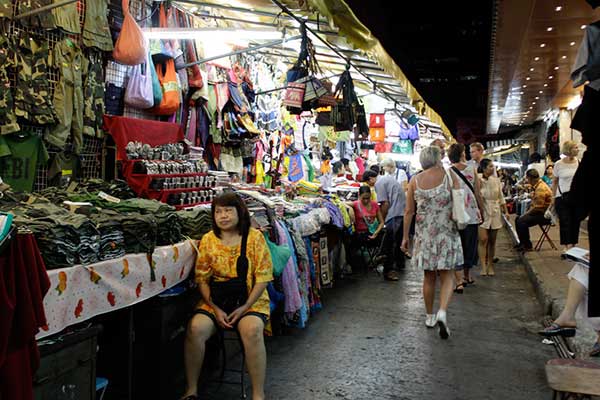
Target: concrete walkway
548, 274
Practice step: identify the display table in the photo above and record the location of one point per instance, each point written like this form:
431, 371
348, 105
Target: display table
81, 292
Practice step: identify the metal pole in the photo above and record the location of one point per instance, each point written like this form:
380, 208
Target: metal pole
42, 9
242, 51
332, 48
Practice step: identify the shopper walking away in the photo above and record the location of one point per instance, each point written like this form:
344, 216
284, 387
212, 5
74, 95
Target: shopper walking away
392, 199
493, 207
230, 300
437, 248
469, 181
564, 170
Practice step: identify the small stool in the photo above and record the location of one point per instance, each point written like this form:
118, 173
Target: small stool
101, 384
573, 379
545, 229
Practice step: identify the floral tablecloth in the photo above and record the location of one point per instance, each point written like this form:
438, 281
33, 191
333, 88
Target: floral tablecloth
82, 292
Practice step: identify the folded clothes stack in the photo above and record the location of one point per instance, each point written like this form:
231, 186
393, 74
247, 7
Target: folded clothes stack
117, 188
112, 241
168, 228
195, 222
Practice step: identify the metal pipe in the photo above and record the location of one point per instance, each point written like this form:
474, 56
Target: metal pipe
242, 51
331, 47
42, 9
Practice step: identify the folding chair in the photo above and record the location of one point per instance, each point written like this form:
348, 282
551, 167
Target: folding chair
373, 249
545, 237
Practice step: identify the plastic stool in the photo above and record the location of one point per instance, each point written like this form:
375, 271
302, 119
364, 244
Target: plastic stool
101, 384
234, 335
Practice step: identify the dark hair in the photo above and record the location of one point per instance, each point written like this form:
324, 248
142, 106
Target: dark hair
337, 167
549, 166
455, 151
369, 174
484, 164
535, 158
345, 161
532, 173
231, 199
375, 168
364, 189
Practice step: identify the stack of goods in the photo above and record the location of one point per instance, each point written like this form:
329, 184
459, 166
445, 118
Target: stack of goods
223, 178
169, 228
64, 238
112, 241
306, 188
117, 188
195, 222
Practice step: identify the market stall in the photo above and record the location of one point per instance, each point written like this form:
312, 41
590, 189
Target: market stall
113, 162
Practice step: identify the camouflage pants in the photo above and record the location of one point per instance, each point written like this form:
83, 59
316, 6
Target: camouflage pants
6, 9
8, 120
32, 93
94, 99
68, 96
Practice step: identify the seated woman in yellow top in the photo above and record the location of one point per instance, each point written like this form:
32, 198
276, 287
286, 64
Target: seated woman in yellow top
217, 261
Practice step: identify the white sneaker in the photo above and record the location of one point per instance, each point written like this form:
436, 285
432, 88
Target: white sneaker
430, 321
443, 324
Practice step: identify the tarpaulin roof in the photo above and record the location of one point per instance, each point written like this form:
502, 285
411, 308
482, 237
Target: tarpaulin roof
345, 38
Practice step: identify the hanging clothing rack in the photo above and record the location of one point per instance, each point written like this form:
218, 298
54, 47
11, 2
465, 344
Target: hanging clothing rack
44, 8
242, 51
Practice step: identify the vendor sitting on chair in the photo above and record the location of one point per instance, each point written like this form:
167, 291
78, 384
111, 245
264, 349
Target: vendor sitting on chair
368, 220
540, 201
232, 270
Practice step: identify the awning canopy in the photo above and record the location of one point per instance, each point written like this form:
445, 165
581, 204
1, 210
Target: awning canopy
340, 39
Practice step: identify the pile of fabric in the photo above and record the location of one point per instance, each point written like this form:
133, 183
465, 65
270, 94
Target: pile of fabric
195, 222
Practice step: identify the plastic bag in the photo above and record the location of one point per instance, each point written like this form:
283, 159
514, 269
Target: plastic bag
280, 254
131, 46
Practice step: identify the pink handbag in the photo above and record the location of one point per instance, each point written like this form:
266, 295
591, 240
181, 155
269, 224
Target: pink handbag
139, 92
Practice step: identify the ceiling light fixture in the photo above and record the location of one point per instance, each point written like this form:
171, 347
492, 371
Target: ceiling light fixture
551, 77
572, 44
524, 86
537, 97
564, 57
558, 8
531, 69
533, 102
543, 45
583, 26
541, 91
549, 29
545, 85
556, 68
528, 78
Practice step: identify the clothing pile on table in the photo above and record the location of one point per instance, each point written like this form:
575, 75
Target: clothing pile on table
195, 222
112, 241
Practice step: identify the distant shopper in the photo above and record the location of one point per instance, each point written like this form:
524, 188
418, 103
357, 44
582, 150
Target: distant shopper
542, 197
564, 170
493, 207
437, 248
230, 301
392, 200
369, 179
548, 175
469, 181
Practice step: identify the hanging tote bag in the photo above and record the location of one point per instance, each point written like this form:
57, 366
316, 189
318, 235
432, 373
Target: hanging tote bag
156, 88
459, 211
139, 88
162, 49
131, 46
170, 88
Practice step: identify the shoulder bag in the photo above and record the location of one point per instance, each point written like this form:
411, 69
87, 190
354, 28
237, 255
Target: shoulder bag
459, 213
232, 293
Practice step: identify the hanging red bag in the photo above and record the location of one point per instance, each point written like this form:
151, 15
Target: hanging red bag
131, 47
376, 120
170, 88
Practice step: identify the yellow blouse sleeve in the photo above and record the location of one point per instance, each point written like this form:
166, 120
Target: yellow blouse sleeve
203, 264
262, 267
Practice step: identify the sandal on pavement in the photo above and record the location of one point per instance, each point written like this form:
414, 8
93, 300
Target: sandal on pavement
469, 281
459, 288
556, 330
595, 352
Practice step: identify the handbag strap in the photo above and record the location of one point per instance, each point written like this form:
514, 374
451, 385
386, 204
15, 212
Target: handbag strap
242, 270
464, 178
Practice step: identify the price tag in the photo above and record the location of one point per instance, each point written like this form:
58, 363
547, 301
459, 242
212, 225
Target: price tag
108, 197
